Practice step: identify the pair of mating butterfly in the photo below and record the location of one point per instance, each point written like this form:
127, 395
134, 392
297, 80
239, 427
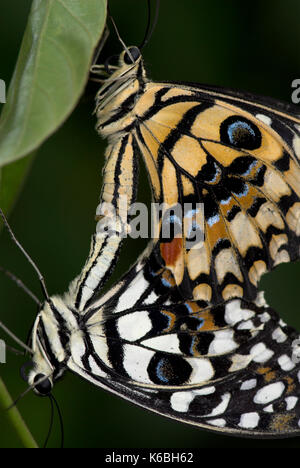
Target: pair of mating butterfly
185, 333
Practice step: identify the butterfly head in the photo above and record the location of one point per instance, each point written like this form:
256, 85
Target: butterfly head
130, 56
40, 376
50, 339
43, 385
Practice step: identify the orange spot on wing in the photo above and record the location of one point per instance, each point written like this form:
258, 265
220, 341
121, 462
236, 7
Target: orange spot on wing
171, 251
290, 384
247, 200
216, 232
268, 374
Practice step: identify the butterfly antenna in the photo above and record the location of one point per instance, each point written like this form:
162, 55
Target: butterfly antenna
15, 240
51, 422
20, 397
15, 338
118, 35
21, 285
15, 351
61, 422
149, 31
28, 389
100, 46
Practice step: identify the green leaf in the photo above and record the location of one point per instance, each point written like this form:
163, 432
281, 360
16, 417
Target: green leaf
12, 178
52, 69
49, 77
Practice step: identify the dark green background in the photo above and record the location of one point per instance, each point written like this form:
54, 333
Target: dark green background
245, 45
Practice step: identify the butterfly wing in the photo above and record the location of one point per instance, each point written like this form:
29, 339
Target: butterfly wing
185, 333
230, 367
239, 157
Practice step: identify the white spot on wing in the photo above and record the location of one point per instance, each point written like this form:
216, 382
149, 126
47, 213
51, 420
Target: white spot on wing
269, 393
239, 361
205, 391
234, 313
180, 401
222, 406
261, 353
132, 294
264, 118
151, 298
249, 420
269, 409
136, 361
248, 384
265, 317
286, 363
219, 422
246, 325
291, 402
202, 370
134, 325
278, 335
169, 343
260, 300
222, 343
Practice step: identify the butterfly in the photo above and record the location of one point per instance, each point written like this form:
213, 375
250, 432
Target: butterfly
186, 333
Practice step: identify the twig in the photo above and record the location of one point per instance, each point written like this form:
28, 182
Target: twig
15, 419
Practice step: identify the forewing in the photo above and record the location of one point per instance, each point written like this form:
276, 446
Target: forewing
237, 156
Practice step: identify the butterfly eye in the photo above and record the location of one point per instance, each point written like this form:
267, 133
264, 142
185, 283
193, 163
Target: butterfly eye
134, 54
44, 385
240, 132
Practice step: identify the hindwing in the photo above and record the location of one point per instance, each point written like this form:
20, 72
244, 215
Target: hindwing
229, 367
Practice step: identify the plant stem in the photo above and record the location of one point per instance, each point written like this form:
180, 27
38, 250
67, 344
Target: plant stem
15, 419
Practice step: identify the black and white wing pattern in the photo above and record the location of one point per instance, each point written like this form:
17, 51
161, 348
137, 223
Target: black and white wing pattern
229, 367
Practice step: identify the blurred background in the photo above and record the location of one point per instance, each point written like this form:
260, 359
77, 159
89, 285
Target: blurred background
251, 46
